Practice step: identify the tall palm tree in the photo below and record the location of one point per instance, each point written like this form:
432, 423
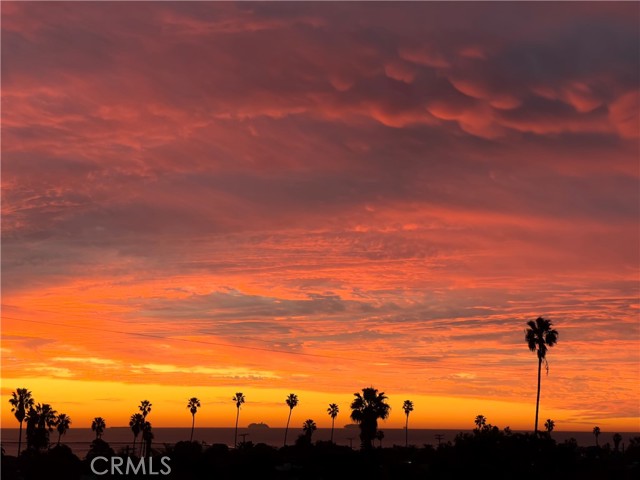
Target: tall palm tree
193, 405
135, 422
292, 402
540, 337
366, 409
480, 422
63, 422
239, 399
333, 411
407, 406
145, 408
596, 432
380, 436
308, 427
98, 425
549, 425
21, 401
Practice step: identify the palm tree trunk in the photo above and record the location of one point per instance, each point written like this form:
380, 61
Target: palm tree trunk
235, 435
333, 422
286, 430
134, 445
406, 432
59, 436
20, 439
193, 424
538, 396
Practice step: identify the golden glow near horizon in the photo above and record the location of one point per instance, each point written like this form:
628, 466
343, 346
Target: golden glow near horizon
293, 206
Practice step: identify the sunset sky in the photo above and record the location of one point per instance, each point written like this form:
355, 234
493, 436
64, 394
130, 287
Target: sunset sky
206, 198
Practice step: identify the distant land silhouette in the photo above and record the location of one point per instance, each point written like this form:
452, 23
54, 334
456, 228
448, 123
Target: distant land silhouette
257, 425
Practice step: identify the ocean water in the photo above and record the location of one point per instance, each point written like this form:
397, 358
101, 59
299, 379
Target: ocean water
78, 439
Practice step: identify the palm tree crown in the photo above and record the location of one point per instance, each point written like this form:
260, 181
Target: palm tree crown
549, 425
308, 427
239, 398
292, 401
193, 405
63, 422
480, 421
540, 337
47, 415
98, 425
333, 410
21, 401
366, 409
145, 408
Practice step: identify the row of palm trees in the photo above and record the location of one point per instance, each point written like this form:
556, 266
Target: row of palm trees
309, 425
366, 408
41, 419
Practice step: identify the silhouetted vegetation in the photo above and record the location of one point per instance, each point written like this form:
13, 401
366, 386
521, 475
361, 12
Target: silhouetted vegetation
495, 453
540, 337
239, 399
487, 452
333, 411
98, 425
193, 405
407, 407
366, 410
63, 423
292, 402
21, 402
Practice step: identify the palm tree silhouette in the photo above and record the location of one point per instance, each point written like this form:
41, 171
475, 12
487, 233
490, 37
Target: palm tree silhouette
366, 409
407, 406
549, 425
135, 422
193, 406
596, 432
308, 427
292, 402
333, 411
145, 408
540, 337
380, 437
239, 399
480, 421
63, 422
98, 425
41, 420
21, 402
